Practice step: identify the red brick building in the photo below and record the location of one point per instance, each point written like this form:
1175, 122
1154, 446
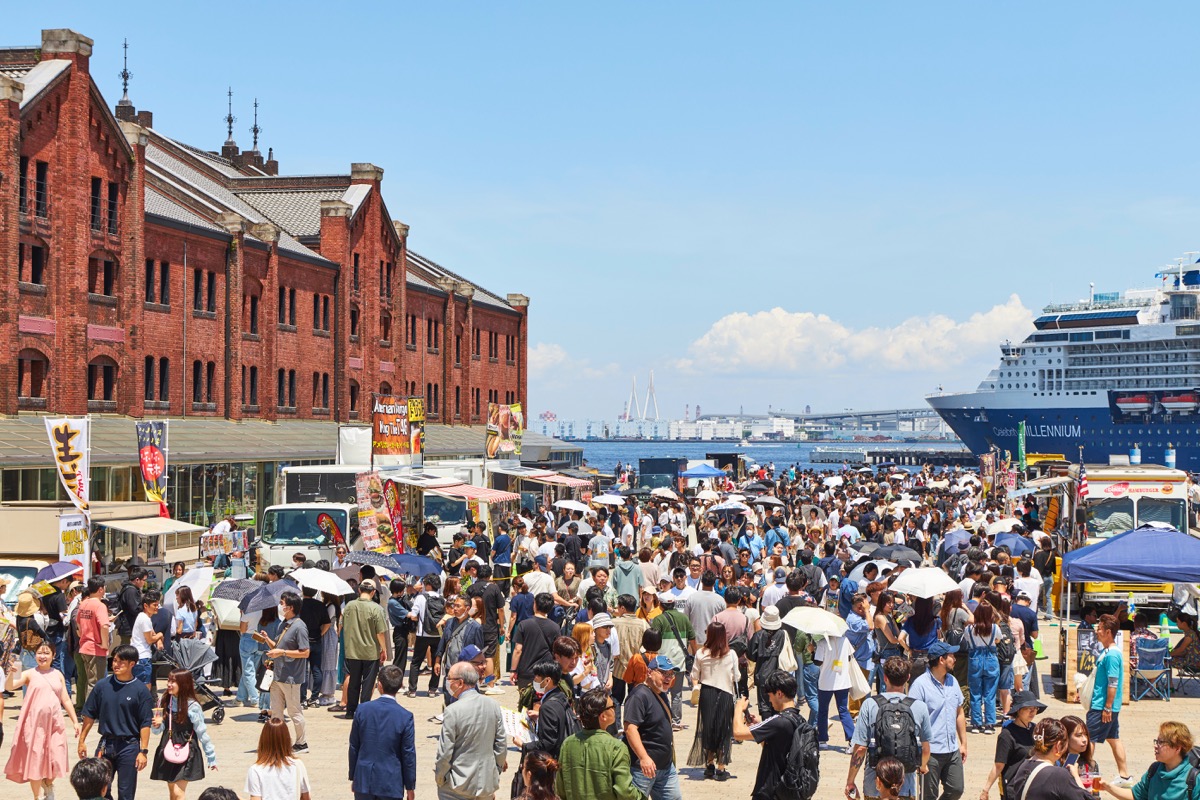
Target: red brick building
144, 277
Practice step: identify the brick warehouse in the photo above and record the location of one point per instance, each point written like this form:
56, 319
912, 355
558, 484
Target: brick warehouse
144, 277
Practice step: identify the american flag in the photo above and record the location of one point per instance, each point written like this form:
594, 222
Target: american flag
1083, 485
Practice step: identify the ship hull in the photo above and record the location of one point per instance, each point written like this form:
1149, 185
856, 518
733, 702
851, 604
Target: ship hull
1098, 430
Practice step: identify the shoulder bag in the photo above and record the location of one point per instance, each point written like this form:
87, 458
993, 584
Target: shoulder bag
174, 752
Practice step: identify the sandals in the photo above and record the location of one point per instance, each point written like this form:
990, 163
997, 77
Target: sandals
337, 707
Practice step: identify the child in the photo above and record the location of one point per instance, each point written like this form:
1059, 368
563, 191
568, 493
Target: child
90, 778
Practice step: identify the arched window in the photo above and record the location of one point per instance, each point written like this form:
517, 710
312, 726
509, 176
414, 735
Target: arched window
33, 378
102, 274
291, 388
385, 388
354, 396
102, 380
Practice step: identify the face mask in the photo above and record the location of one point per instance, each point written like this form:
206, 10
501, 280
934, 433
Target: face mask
280, 609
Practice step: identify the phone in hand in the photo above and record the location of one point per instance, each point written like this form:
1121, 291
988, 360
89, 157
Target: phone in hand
1072, 758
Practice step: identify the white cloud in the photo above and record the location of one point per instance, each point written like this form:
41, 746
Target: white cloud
788, 341
551, 363
544, 358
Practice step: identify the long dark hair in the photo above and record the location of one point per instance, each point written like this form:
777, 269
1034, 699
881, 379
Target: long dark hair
923, 616
984, 619
187, 693
953, 600
542, 768
716, 639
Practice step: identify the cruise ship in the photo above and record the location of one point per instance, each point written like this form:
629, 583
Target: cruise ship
1116, 375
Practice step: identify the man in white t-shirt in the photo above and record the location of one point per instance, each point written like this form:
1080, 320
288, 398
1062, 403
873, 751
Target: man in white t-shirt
1029, 581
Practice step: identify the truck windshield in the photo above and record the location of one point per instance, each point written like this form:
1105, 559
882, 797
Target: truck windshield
23, 578
299, 525
1169, 512
1109, 517
445, 511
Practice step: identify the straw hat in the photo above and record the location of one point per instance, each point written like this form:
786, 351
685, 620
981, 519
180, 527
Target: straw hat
27, 604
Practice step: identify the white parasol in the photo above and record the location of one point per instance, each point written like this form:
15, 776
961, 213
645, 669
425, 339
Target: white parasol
833, 480
707, 494
1003, 525
609, 500
924, 582
322, 581
663, 491
571, 505
815, 621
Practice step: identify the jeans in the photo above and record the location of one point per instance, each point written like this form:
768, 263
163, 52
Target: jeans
812, 674
59, 652
842, 698
983, 674
121, 754
248, 686
1046, 603
663, 786
945, 774
677, 698
144, 671
312, 686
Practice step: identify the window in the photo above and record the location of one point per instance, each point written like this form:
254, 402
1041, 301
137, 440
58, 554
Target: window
385, 327
41, 191
36, 273
33, 370
253, 386
151, 274
387, 287
355, 277
291, 388
164, 283
354, 322
148, 378
325, 313
292, 309
316, 392
437, 403
164, 380
475, 392
381, 283
253, 323
197, 381
212, 292
458, 401
102, 380
113, 194
211, 375
102, 276
280, 395
198, 290
97, 218
287, 306
324, 390
353, 397
385, 388
411, 333
316, 312
23, 186
476, 350
458, 348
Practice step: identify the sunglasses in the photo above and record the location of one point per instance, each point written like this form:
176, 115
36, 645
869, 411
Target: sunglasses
1164, 743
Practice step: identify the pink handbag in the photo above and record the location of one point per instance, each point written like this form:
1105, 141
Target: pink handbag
172, 752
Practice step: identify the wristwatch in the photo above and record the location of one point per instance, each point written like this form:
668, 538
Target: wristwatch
144, 751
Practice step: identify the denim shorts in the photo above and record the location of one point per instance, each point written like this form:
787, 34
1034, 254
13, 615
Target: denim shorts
143, 670
1006, 676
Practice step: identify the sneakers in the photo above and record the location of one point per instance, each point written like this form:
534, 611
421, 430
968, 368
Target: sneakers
722, 775
492, 691
710, 772
411, 693
1125, 782
263, 716
300, 747
436, 718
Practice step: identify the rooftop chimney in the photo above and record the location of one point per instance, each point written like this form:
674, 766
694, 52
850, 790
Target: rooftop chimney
271, 167
63, 43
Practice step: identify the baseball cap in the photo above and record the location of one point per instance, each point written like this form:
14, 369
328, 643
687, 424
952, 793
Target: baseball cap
470, 653
661, 664
367, 585
940, 648
469, 544
780, 574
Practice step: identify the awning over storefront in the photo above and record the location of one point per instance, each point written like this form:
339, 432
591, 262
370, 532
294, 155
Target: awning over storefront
563, 480
469, 492
152, 526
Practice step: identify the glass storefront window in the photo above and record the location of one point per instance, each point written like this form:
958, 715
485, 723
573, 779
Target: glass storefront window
100, 483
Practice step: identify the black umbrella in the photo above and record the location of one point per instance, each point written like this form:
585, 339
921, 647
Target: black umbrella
265, 596
636, 491
757, 486
235, 589
378, 560
898, 553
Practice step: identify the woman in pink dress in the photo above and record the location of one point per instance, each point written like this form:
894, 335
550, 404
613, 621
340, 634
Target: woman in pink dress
39, 752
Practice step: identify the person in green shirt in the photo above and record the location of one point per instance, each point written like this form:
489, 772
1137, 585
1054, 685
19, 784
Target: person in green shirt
678, 645
1169, 776
593, 763
364, 632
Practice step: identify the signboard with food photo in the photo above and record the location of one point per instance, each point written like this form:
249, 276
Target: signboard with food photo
375, 524
505, 426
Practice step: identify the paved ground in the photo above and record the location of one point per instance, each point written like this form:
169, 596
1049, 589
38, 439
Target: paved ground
236, 738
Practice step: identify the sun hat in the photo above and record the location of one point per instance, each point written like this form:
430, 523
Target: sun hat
1024, 699
770, 620
26, 605
602, 620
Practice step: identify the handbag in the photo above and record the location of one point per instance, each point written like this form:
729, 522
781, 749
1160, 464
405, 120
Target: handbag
787, 656
859, 687
173, 752
268, 677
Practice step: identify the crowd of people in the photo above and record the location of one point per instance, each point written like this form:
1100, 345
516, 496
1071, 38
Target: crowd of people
625, 630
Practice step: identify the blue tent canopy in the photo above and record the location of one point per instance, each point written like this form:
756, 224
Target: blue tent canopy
1148, 554
703, 471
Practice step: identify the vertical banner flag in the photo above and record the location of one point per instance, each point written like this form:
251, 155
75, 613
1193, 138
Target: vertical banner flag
416, 429
152, 459
74, 543
70, 442
505, 427
987, 472
395, 508
1021, 445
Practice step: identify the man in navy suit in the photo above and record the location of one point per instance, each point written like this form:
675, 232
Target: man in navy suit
383, 752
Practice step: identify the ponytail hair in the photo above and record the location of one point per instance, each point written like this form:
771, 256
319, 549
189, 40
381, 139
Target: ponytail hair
889, 773
1047, 734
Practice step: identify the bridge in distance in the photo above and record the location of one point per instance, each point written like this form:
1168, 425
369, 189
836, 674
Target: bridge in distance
888, 419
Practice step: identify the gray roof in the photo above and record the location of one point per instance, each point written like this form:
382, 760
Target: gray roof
163, 206
41, 76
23, 441
296, 211
482, 295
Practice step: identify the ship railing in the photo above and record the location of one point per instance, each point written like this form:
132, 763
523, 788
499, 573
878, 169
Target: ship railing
1058, 308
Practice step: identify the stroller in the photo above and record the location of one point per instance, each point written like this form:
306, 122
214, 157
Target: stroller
194, 655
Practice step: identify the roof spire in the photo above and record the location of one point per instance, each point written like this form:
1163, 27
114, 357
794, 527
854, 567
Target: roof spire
125, 74
229, 117
255, 130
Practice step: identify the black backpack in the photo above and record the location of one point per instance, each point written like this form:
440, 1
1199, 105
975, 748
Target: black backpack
802, 772
1006, 648
895, 733
1192, 757
435, 609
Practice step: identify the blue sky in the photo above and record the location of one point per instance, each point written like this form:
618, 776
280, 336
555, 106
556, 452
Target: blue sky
767, 204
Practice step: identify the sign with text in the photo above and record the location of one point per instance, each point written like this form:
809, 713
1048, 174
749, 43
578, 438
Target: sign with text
70, 442
397, 426
152, 458
75, 543
373, 520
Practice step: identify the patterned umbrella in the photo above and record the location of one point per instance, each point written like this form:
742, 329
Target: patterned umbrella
265, 596
377, 560
235, 589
